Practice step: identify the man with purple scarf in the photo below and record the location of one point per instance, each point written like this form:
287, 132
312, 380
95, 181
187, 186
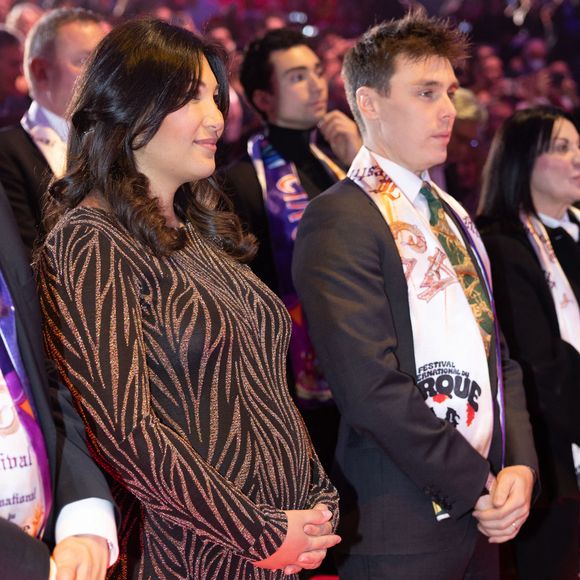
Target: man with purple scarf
52, 496
271, 186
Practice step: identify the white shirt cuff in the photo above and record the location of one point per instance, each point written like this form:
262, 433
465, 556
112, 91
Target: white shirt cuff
89, 516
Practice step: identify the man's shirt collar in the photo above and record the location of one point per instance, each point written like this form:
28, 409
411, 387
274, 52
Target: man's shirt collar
407, 181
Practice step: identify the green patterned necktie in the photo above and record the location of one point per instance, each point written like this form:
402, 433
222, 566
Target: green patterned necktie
462, 264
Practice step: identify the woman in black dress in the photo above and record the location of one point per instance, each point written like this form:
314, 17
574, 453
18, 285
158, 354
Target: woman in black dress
173, 351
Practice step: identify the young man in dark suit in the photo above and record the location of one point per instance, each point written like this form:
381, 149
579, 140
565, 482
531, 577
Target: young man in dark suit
80, 529
393, 280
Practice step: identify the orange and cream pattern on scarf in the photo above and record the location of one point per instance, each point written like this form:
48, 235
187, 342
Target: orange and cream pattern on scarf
451, 362
565, 302
564, 299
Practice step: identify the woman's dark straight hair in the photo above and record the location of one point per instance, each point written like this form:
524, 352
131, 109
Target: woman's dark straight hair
508, 171
142, 71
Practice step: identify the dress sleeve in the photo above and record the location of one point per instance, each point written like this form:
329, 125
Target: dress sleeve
89, 294
321, 489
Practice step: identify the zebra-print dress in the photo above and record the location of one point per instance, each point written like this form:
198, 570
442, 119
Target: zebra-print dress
177, 366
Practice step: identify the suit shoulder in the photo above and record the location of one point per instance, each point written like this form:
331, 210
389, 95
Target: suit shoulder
240, 181
11, 130
17, 145
510, 253
236, 173
500, 236
511, 247
343, 213
241, 163
342, 194
14, 135
345, 201
11, 241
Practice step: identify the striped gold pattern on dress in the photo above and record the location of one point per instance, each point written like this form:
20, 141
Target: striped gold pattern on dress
177, 366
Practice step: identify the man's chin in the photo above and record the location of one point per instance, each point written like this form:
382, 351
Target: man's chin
313, 121
319, 118
438, 160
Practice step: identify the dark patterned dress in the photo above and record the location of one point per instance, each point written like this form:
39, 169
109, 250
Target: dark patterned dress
177, 366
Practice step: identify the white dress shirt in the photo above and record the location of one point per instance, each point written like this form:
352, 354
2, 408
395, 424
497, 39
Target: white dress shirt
565, 223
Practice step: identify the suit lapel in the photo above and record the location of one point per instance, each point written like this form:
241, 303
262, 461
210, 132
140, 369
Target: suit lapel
395, 283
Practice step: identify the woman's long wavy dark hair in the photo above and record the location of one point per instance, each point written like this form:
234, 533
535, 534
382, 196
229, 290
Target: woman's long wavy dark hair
142, 71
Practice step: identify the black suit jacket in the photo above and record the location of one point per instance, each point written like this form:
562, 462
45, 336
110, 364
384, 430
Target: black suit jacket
25, 174
74, 475
394, 456
551, 366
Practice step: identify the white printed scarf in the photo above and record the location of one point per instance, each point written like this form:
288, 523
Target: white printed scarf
564, 299
565, 302
451, 363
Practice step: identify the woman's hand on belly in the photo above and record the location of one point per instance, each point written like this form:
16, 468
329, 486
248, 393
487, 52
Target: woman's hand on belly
308, 537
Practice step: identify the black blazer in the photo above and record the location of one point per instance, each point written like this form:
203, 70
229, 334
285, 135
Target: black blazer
74, 475
394, 456
551, 366
25, 174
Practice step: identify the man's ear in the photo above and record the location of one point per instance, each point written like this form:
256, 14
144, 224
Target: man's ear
39, 70
367, 101
265, 102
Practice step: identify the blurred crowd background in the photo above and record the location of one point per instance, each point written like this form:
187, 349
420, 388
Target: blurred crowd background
524, 53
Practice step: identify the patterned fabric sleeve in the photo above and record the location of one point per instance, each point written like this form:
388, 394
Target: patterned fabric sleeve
90, 302
322, 490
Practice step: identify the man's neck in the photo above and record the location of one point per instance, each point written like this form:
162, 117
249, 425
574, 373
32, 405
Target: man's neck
290, 130
287, 140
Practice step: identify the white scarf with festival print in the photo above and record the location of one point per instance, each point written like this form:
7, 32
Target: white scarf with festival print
451, 362
565, 301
